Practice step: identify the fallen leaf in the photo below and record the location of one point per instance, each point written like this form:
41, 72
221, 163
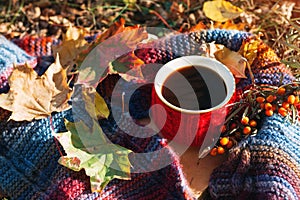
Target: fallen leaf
249, 49
128, 67
198, 27
254, 49
134, 36
233, 60
221, 10
85, 99
230, 25
88, 149
72, 45
113, 44
35, 97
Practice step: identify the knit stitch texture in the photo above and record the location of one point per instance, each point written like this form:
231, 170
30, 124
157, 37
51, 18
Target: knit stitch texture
265, 166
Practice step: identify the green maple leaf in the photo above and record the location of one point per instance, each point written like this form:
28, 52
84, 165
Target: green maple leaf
87, 148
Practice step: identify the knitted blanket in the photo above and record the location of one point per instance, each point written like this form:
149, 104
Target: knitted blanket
265, 166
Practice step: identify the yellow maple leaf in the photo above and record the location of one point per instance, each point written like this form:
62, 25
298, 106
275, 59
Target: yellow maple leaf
233, 60
35, 97
254, 49
72, 45
221, 10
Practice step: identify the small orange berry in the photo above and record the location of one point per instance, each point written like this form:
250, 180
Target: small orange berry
214, 151
260, 99
247, 130
245, 120
269, 112
270, 98
281, 91
221, 150
253, 123
224, 141
296, 100
230, 144
262, 105
291, 99
282, 111
268, 106
285, 105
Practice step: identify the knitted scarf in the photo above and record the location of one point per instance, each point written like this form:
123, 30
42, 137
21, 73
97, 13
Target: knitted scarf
265, 166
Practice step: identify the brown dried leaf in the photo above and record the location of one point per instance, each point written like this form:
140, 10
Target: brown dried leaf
233, 60
35, 97
72, 45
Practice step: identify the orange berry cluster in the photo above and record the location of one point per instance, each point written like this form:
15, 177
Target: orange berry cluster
278, 102
225, 143
245, 115
232, 133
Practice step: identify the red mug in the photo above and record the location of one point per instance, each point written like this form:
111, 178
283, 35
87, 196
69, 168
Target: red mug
186, 118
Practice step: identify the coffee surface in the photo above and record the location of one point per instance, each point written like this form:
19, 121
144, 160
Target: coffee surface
194, 88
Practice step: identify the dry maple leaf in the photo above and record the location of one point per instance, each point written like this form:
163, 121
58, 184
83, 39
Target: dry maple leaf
128, 67
114, 44
134, 36
35, 97
72, 45
233, 60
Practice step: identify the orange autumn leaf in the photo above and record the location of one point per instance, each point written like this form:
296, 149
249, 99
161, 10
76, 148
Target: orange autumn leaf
128, 67
115, 43
198, 27
229, 25
136, 35
35, 97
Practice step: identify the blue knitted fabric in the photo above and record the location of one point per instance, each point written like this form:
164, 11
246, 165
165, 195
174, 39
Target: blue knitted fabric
185, 44
29, 167
266, 166
231, 39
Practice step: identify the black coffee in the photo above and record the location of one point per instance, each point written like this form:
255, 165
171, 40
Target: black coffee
194, 88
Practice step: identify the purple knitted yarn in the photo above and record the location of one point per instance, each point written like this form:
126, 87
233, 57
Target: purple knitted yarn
266, 166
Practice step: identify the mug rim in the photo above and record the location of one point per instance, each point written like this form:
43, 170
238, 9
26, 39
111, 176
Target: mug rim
165, 71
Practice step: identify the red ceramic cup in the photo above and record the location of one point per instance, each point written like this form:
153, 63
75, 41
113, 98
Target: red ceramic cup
181, 124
